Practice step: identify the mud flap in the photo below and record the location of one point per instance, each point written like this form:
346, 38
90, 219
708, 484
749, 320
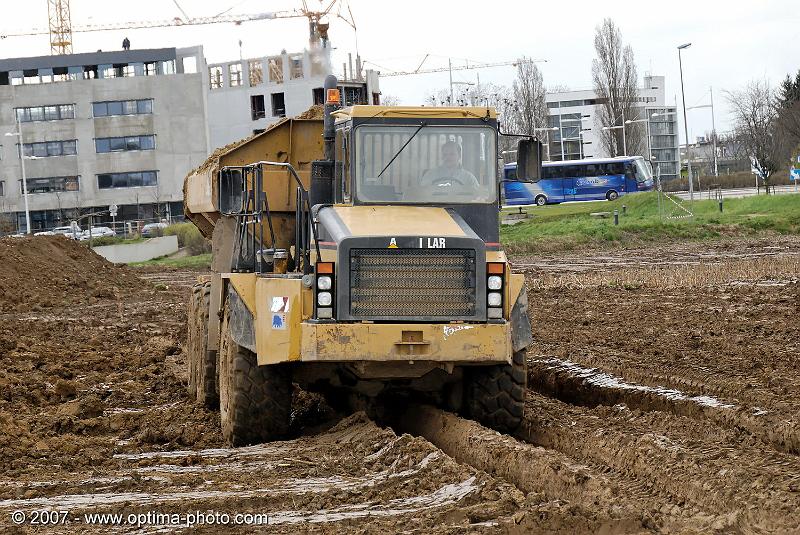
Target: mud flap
521, 333
241, 323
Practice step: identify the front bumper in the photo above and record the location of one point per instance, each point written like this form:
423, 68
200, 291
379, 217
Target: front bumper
449, 342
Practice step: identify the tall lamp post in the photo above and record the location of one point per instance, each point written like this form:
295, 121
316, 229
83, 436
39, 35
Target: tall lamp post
685, 125
713, 129
18, 133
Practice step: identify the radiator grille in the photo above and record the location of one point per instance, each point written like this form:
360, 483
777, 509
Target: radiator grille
402, 283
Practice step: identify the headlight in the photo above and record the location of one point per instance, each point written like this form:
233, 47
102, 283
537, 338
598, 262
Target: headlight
495, 282
494, 299
324, 282
324, 299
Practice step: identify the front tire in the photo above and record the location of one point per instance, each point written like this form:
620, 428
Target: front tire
255, 401
495, 395
540, 200
612, 195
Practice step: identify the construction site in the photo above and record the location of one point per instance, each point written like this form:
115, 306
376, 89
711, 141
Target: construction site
367, 350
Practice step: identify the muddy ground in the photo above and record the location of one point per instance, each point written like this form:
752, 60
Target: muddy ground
663, 398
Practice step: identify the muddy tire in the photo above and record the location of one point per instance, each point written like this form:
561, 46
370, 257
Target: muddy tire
495, 395
255, 401
202, 362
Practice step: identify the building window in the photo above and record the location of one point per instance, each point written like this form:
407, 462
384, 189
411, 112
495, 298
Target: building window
122, 107
318, 94
296, 65
120, 144
278, 105
167, 67
215, 74
275, 66
51, 185
46, 113
255, 72
257, 109
189, 65
235, 74
50, 148
2, 188
135, 179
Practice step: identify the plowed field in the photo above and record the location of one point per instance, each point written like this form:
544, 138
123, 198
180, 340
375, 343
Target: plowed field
663, 398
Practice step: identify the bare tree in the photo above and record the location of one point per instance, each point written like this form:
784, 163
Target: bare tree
529, 97
615, 83
755, 115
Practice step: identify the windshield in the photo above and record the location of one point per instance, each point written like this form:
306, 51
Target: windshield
428, 164
644, 172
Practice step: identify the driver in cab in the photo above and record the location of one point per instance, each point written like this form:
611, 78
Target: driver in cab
450, 173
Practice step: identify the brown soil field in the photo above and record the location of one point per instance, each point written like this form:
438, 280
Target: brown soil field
663, 386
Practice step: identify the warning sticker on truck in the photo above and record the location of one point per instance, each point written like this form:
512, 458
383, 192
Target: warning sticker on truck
279, 309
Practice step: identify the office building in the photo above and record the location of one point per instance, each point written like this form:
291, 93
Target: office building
98, 129
575, 115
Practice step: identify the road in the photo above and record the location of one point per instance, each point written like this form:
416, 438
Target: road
736, 193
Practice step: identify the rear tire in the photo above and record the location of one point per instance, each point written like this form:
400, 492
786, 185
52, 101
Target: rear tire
495, 395
255, 401
612, 195
540, 200
202, 362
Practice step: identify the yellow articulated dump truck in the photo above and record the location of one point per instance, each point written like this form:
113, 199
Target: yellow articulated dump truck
357, 254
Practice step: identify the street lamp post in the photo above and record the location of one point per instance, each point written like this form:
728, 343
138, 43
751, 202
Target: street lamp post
18, 133
685, 125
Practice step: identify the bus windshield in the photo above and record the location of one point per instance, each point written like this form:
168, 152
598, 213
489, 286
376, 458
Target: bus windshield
425, 164
644, 172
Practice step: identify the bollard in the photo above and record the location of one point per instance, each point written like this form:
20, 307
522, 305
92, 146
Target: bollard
720, 205
616, 217
624, 209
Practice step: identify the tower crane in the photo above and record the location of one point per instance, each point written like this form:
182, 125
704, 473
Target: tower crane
61, 29
467, 67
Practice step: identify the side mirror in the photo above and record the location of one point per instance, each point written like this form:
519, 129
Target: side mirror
529, 160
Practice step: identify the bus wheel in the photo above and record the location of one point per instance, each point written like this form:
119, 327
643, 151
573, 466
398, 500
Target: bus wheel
612, 195
540, 200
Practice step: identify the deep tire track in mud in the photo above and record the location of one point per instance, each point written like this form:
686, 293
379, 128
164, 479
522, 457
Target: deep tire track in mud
591, 387
704, 466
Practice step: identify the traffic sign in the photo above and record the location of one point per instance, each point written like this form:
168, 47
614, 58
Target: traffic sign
113, 210
794, 174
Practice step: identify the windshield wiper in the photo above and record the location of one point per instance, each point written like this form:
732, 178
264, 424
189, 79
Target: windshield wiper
421, 126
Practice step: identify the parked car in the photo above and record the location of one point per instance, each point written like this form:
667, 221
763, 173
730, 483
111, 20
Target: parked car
67, 231
97, 232
153, 229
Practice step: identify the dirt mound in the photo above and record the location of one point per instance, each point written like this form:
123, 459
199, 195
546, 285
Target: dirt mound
314, 112
52, 271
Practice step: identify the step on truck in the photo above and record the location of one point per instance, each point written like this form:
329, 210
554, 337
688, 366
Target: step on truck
357, 254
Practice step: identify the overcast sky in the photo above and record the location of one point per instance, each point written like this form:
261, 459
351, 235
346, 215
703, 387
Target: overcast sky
732, 42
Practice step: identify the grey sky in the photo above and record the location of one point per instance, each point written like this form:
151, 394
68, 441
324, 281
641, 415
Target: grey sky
731, 42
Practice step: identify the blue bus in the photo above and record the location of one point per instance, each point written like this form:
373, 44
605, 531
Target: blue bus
579, 180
